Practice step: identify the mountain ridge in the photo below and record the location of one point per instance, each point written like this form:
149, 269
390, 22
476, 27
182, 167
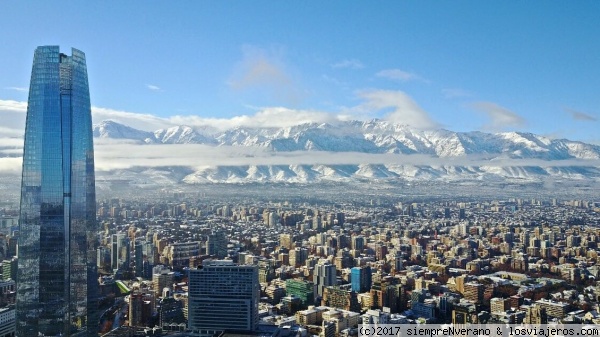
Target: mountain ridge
374, 136
532, 158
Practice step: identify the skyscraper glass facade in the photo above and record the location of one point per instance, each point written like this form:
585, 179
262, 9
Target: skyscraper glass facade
56, 278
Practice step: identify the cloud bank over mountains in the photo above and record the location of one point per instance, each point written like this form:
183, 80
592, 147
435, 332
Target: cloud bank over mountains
259, 68
294, 145
395, 106
336, 150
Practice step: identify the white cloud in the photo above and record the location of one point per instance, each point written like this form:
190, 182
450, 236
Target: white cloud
136, 120
349, 63
500, 118
21, 89
404, 110
127, 155
9, 105
13, 113
12, 117
12, 152
11, 165
10, 132
266, 117
400, 75
11, 142
153, 87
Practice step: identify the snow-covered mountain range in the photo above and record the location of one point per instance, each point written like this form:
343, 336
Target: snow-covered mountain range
531, 157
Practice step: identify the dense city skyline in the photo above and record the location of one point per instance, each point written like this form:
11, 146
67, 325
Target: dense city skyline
274, 169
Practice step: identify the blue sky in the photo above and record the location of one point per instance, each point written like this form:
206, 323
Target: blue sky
459, 65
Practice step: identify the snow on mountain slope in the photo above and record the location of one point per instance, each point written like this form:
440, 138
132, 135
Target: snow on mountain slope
374, 171
114, 130
181, 135
500, 156
348, 173
368, 137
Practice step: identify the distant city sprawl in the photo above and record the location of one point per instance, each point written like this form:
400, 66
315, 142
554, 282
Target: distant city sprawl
512, 261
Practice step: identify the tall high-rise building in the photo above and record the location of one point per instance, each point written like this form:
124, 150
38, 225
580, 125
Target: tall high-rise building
136, 301
120, 254
216, 244
324, 276
360, 279
57, 274
223, 296
139, 258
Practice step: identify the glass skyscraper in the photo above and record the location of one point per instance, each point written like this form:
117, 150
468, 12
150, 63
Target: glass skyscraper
56, 278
